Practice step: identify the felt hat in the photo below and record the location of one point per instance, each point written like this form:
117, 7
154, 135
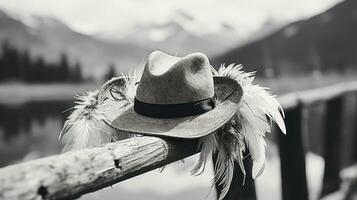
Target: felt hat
180, 97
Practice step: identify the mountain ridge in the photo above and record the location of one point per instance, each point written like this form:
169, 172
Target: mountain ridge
45, 38
175, 36
324, 42
50, 38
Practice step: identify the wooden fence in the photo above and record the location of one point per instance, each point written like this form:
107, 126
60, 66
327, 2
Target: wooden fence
72, 174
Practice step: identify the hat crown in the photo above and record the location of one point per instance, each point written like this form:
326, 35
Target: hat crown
173, 80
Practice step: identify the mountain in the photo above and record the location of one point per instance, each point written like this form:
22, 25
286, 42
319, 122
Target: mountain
181, 34
324, 42
173, 37
16, 31
49, 37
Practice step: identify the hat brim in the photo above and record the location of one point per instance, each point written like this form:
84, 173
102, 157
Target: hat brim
229, 94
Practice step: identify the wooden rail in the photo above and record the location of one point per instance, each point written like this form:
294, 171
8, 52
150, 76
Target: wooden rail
318, 95
292, 147
69, 175
75, 173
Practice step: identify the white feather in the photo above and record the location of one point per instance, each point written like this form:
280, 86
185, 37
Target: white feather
253, 135
257, 104
86, 126
252, 121
207, 144
266, 104
224, 169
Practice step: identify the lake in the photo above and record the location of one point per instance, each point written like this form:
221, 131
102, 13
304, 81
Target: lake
31, 118
30, 130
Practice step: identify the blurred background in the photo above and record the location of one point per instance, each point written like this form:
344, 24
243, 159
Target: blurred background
50, 50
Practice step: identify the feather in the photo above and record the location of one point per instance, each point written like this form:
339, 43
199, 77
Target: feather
207, 144
257, 104
223, 174
255, 142
227, 146
88, 124
265, 103
246, 129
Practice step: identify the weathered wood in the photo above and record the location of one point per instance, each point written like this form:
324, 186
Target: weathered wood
289, 101
327, 93
318, 95
332, 146
354, 146
72, 174
292, 157
75, 173
237, 190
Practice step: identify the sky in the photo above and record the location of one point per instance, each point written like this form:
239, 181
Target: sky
101, 16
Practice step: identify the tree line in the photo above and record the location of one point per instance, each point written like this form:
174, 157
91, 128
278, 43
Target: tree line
19, 65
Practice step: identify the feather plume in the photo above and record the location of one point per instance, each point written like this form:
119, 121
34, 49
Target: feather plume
88, 125
207, 144
246, 130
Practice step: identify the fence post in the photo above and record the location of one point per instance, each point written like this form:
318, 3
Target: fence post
354, 144
292, 157
237, 190
332, 146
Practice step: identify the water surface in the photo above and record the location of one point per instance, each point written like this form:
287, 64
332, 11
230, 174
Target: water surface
30, 130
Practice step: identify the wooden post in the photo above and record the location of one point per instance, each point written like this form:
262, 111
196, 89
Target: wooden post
292, 157
237, 190
354, 144
332, 146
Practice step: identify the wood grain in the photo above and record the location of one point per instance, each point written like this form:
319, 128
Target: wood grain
72, 174
69, 175
318, 95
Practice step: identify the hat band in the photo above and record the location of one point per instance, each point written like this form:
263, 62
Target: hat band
174, 110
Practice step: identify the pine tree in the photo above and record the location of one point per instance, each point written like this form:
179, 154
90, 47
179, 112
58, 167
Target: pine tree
40, 69
76, 74
6, 71
64, 68
2, 68
110, 73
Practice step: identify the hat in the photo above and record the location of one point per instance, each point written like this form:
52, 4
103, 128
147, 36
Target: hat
179, 97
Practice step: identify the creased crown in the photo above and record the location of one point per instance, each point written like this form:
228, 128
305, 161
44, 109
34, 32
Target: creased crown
172, 80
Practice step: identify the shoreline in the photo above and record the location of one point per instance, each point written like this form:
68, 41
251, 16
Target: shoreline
14, 93
18, 93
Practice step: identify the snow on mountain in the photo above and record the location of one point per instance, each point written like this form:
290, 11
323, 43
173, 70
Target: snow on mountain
181, 34
49, 37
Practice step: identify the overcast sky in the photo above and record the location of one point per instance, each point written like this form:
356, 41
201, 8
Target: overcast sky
92, 16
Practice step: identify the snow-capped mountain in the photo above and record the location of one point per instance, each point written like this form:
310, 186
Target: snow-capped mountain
180, 35
49, 37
